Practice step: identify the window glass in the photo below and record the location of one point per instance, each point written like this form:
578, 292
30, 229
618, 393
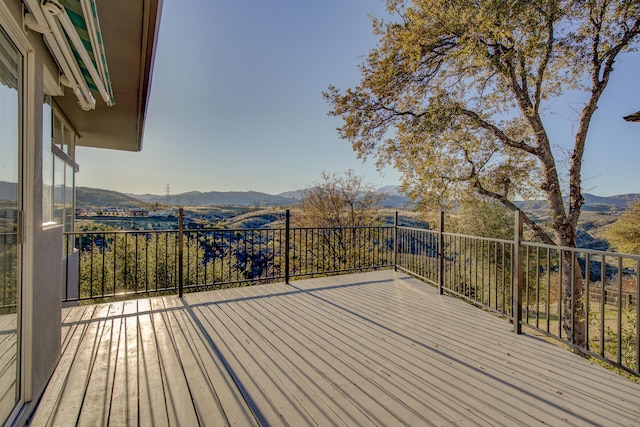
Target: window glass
57, 131
68, 142
58, 168
58, 190
47, 163
10, 121
69, 210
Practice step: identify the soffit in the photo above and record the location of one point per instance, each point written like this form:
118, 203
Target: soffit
129, 32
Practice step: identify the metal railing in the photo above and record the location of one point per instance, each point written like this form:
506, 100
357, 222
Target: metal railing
120, 263
8, 272
476, 269
587, 299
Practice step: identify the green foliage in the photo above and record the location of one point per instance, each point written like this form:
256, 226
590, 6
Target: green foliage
453, 96
333, 215
339, 201
123, 263
484, 219
8, 274
624, 234
627, 340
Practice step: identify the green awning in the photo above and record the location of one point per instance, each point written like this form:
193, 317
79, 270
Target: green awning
84, 17
9, 64
80, 51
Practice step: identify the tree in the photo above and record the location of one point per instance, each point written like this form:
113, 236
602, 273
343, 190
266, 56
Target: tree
624, 234
339, 201
484, 219
334, 217
455, 92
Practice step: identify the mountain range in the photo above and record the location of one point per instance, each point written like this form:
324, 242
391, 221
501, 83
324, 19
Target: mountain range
393, 199
219, 198
88, 197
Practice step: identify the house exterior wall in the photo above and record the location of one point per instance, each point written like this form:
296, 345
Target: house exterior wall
33, 235
39, 306
46, 250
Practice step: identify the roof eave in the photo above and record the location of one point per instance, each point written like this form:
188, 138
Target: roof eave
130, 46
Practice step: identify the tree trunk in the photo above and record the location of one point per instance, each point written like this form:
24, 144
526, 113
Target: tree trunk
573, 300
573, 310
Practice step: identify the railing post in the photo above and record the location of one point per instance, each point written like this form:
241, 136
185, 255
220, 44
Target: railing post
180, 249
517, 281
287, 238
441, 254
395, 242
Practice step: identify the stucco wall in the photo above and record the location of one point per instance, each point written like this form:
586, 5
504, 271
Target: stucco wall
46, 250
46, 312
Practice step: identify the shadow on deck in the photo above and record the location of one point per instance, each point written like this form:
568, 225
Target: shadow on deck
376, 348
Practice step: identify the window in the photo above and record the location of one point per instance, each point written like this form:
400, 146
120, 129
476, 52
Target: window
11, 98
58, 169
47, 163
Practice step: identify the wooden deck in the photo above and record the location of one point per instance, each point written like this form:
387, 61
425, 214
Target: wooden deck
365, 349
8, 362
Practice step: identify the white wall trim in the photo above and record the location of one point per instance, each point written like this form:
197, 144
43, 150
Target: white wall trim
14, 29
16, 32
28, 206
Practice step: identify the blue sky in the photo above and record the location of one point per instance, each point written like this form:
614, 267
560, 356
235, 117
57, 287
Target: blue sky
236, 104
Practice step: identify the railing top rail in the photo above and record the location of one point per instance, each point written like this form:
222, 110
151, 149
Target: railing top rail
488, 239
582, 250
402, 227
186, 230
191, 230
72, 233
343, 227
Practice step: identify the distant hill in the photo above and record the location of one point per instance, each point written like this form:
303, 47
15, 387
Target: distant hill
86, 197
220, 198
621, 201
296, 194
591, 203
393, 199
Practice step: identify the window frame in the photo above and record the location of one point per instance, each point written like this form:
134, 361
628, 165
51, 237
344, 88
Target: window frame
62, 153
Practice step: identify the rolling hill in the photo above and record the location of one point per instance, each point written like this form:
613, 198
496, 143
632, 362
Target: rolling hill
87, 197
222, 198
393, 199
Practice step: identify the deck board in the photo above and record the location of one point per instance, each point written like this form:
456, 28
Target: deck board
375, 348
97, 399
152, 408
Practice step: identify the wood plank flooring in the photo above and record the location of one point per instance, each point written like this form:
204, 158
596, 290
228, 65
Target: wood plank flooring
371, 349
8, 362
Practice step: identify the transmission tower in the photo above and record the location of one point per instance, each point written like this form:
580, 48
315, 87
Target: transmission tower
167, 193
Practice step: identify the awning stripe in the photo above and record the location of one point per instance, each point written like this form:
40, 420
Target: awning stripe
97, 40
84, 18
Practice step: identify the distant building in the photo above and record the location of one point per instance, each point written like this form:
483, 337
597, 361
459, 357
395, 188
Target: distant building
161, 214
137, 212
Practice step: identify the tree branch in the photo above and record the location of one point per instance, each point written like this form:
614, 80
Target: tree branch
479, 121
537, 229
543, 64
599, 84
